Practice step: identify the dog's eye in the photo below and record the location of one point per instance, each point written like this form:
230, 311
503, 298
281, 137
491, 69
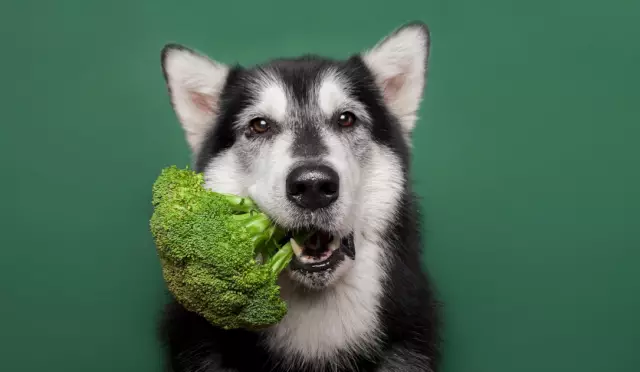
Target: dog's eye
259, 125
346, 119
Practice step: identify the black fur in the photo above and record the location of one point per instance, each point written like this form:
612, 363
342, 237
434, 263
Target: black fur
409, 316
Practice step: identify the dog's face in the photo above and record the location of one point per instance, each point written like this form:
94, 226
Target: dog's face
309, 139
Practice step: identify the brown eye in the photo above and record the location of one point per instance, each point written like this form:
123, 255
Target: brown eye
259, 125
346, 119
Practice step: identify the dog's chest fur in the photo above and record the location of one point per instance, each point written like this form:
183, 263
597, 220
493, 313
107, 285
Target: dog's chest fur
334, 323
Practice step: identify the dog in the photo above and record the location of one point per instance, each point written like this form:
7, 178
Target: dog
322, 144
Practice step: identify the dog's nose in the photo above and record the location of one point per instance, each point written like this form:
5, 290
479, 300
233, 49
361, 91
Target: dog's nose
313, 186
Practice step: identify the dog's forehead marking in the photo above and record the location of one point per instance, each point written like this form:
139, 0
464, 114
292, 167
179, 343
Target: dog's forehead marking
335, 94
271, 97
332, 93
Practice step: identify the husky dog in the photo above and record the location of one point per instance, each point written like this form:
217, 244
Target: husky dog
322, 144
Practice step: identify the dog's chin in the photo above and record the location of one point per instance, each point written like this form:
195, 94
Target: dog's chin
322, 260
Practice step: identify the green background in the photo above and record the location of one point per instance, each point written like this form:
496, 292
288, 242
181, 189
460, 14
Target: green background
526, 157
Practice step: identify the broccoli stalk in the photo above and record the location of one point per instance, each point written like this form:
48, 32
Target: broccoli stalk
264, 233
220, 255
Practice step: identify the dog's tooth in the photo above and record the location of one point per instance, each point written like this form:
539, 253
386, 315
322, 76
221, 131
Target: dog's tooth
335, 244
296, 248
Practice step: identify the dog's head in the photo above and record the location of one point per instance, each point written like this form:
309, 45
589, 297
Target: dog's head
319, 144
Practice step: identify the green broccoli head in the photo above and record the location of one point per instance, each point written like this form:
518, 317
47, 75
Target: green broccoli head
220, 254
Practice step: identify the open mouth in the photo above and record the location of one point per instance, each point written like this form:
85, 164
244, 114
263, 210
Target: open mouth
321, 251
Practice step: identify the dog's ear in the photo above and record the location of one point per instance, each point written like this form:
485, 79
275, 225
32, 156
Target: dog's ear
399, 65
195, 83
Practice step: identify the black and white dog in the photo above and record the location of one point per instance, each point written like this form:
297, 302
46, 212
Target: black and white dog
322, 144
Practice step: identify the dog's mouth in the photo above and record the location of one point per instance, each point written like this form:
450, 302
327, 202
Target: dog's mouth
321, 251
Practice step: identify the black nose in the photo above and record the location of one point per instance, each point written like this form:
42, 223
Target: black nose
313, 186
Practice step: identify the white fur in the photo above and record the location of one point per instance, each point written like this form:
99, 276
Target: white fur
381, 191
343, 161
267, 183
223, 175
272, 101
333, 96
193, 79
399, 64
332, 324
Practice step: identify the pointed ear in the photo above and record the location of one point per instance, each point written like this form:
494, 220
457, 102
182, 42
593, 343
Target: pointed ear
399, 65
195, 83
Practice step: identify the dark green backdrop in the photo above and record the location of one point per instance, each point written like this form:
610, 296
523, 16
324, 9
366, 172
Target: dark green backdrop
527, 158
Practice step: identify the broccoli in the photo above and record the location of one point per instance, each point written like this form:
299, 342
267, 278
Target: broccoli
220, 255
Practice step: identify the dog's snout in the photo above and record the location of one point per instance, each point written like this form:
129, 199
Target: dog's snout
313, 186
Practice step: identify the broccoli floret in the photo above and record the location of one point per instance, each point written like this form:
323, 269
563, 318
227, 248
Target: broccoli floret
220, 254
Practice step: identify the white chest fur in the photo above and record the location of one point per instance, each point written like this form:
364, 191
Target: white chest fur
335, 322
